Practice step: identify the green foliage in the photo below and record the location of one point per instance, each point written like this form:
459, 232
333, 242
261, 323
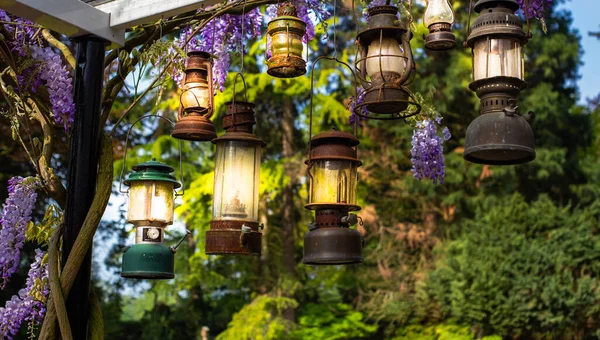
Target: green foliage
261, 319
522, 268
331, 322
40, 232
439, 332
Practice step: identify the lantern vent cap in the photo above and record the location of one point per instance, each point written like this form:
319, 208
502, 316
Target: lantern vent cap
385, 9
334, 137
152, 171
483, 4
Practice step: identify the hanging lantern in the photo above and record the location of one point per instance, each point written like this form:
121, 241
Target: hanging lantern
332, 168
286, 32
151, 203
196, 100
234, 228
438, 18
500, 135
385, 64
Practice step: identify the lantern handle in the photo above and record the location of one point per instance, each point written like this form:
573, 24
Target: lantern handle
312, 83
241, 75
469, 22
182, 191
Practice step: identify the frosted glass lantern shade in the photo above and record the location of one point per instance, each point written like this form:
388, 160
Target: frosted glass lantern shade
334, 181
437, 12
151, 203
386, 56
494, 57
195, 95
237, 178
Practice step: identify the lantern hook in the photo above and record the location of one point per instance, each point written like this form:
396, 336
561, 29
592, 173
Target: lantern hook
174, 248
182, 191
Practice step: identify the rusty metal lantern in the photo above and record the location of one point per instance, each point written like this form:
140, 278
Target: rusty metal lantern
333, 173
286, 32
385, 65
234, 228
500, 134
196, 100
438, 18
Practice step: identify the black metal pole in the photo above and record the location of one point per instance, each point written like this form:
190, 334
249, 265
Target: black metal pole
83, 168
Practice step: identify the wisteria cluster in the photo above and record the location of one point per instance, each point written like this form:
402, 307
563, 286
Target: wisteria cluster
224, 34
29, 304
59, 84
16, 214
48, 67
427, 152
535, 8
360, 99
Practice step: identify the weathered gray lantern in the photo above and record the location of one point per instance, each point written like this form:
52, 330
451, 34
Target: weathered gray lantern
500, 135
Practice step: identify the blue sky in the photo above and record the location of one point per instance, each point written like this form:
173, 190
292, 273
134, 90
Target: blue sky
586, 19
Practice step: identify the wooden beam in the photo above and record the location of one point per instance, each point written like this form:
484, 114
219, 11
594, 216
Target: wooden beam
128, 13
69, 17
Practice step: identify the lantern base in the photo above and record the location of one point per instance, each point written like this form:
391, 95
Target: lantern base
148, 261
194, 127
440, 41
388, 102
332, 246
497, 138
286, 67
227, 238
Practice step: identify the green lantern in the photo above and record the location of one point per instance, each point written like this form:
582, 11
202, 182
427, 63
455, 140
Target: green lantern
151, 205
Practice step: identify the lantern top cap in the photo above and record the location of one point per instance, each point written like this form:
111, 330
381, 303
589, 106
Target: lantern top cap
334, 137
385, 9
198, 54
152, 171
482, 4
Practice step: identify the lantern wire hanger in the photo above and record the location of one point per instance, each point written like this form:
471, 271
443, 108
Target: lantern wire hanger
177, 194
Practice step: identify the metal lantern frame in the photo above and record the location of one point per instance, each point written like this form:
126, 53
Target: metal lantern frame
391, 97
440, 36
288, 65
330, 240
193, 123
239, 236
491, 138
149, 258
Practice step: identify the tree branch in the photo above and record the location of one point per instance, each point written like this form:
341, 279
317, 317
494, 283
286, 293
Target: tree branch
86, 235
54, 186
63, 49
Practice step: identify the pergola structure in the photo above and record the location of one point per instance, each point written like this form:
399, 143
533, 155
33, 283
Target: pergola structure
92, 25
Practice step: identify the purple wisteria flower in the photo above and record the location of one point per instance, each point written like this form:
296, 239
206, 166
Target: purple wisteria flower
360, 99
224, 34
59, 84
16, 214
535, 8
427, 152
29, 304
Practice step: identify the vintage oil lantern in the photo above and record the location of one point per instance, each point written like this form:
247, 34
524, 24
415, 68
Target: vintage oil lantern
286, 32
499, 135
151, 204
234, 228
385, 64
438, 18
332, 169
196, 100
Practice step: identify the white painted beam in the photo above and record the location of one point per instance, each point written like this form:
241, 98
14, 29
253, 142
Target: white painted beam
128, 13
69, 17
